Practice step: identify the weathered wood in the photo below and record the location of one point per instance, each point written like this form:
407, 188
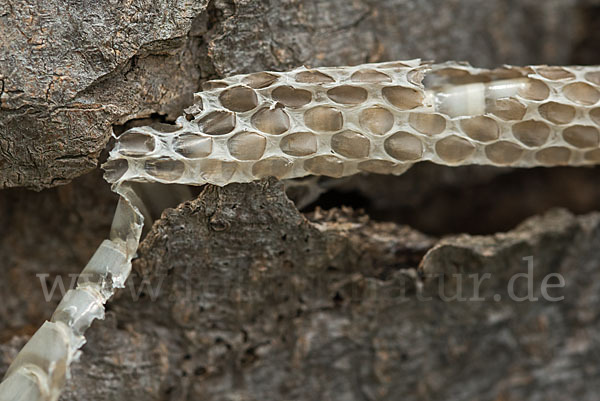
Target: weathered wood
246, 299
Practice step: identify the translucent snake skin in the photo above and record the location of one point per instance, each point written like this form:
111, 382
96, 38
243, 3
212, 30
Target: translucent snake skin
376, 118
338, 121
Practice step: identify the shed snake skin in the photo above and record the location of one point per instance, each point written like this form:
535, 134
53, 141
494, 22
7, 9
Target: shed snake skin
336, 121
375, 118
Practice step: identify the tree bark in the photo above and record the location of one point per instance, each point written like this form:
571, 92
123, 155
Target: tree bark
242, 296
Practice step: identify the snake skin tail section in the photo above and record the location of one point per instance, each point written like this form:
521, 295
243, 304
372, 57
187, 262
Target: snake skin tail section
41, 368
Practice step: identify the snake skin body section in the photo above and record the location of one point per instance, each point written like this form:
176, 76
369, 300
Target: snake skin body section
375, 118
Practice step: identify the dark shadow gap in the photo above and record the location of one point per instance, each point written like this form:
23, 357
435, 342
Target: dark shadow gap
438, 201
585, 49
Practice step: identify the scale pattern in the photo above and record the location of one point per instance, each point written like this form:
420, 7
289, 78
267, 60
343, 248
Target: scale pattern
376, 118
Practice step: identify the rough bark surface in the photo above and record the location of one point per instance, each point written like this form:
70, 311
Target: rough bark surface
245, 298
66, 77
70, 70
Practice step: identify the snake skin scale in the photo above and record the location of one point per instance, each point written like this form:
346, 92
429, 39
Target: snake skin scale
375, 118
